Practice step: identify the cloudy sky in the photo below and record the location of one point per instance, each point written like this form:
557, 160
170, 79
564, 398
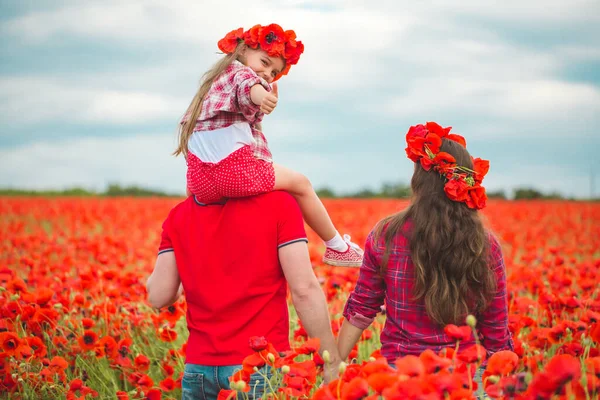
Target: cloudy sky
91, 91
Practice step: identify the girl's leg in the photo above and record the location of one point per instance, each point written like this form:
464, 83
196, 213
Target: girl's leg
313, 210
340, 251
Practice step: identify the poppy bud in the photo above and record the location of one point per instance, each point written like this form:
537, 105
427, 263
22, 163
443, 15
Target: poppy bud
471, 321
493, 379
2, 289
58, 306
15, 297
326, 356
271, 358
342, 367
285, 369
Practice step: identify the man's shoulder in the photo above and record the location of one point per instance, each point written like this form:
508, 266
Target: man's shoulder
271, 202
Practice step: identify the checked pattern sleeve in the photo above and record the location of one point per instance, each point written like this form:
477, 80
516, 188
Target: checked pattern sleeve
492, 324
228, 102
367, 298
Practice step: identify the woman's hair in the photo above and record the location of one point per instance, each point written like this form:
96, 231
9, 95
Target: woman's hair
448, 245
195, 108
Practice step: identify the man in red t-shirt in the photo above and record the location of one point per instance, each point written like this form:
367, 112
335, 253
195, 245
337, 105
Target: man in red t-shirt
235, 261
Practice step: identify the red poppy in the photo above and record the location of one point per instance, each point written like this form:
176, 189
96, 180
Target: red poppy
121, 395
167, 384
272, 40
457, 138
9, 341
457, 190
481, 168
502, 363
142, 363
435, 128
476, 198
356, 389
251, 36
432, 362
410, 365
258, 343
229, 43
459, 333
227, 394
88, 340
167, 335
309, 347
380, 380
153, 394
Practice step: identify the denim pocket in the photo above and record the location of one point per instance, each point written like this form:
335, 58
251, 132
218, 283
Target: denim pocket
192, 386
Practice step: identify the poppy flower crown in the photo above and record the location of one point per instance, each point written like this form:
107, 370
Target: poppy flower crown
271, 38
462, 184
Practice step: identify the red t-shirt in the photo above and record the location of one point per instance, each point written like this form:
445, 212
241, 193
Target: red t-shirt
227, 258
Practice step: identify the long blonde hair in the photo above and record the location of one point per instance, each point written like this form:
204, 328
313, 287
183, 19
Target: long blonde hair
195, 108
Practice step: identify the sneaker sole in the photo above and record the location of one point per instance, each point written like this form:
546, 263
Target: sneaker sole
348, 264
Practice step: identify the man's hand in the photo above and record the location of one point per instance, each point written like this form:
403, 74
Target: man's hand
269, 102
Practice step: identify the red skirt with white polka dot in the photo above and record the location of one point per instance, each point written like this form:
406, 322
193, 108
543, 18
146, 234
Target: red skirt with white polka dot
240, 174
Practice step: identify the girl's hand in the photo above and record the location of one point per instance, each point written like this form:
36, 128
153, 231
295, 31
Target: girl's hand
269, 101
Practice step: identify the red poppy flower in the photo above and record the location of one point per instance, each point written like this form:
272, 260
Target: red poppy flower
481, 168
356, 389
457, 138
229, 43
444, 162
432, 362
502, 363
563, 368
473, 354
410, 365
324, 393
460, 333
258, 343
9, 341
88, 340
251, 36
167, 335
380, 380
272, 40
457, 190
153, 394
476, 198
309, 347
227, 394
121, 395
436, 129
167, 384
142, 363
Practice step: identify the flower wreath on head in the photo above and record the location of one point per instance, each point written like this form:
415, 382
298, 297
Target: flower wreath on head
271, 38
462, 184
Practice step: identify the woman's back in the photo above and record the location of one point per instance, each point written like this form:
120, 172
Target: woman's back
408, 328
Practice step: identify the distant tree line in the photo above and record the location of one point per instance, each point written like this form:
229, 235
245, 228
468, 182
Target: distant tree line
112, 190
387, 190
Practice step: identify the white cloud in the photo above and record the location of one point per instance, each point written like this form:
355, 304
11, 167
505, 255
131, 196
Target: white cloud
93, 163
43, 100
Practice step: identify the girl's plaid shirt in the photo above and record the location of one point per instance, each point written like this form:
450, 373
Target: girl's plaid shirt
228, 102
408, 329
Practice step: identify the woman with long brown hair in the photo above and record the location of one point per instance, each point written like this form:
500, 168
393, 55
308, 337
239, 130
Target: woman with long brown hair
433, 263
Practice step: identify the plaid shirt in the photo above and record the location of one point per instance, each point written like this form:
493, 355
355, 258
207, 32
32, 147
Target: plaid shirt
228, 102
408, 329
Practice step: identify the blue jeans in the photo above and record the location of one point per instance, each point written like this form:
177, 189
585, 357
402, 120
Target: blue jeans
202, 382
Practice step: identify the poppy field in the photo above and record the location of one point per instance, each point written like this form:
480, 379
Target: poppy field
75, 324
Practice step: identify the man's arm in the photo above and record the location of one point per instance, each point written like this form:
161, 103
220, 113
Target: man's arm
164, 285
309, 300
